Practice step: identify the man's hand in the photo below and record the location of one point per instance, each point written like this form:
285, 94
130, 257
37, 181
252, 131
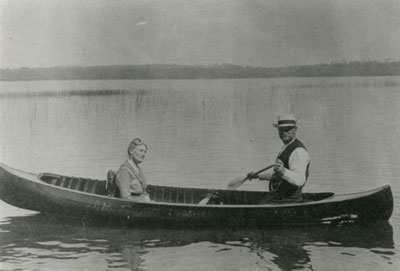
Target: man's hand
279, 168
252, 176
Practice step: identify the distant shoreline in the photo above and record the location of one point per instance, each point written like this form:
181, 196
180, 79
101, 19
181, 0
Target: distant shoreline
223, 71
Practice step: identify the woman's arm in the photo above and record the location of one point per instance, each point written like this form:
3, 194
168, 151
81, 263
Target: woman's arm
123, 180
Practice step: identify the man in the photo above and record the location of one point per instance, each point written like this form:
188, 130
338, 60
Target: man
291, 166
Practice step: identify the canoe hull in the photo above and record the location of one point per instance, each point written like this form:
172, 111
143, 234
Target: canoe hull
23, 190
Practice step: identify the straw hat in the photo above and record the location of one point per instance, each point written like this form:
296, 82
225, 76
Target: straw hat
286, 120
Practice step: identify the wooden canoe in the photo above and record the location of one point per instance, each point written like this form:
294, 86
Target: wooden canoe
175, 206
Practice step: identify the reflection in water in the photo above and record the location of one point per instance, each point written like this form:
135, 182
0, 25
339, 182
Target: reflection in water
42, 239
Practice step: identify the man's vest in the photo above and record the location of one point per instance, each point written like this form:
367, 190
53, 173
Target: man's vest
284, 189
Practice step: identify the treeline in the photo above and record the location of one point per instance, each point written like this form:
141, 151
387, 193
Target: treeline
166, 71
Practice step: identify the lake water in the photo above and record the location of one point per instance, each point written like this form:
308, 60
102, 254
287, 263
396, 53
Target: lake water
201, 133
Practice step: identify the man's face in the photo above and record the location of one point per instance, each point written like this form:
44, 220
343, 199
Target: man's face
287, 133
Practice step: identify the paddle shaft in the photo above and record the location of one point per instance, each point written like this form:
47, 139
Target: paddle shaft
238, 182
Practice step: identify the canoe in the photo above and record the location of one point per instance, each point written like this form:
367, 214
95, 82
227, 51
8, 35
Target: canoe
86, 198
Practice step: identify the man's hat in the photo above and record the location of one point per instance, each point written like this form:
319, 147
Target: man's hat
287, 120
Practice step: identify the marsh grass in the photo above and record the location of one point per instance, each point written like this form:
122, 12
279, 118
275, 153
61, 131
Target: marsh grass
83, 92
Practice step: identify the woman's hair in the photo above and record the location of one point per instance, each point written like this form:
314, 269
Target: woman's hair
136, 142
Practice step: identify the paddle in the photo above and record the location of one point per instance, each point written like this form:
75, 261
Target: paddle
239, 181
211, 195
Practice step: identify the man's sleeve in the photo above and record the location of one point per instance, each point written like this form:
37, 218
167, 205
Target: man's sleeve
266, 175
298, 162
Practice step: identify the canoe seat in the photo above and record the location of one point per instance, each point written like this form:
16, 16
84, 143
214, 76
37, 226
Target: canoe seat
112, 189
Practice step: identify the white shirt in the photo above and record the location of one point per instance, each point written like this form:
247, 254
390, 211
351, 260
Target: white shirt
298, 161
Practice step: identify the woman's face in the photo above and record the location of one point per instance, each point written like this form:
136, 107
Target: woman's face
138, 153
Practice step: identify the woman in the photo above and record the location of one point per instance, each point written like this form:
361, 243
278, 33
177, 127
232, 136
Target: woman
130, 180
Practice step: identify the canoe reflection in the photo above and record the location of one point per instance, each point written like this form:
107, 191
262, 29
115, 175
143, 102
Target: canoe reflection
49, 238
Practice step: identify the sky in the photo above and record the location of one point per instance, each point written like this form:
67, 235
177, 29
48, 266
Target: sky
267, 33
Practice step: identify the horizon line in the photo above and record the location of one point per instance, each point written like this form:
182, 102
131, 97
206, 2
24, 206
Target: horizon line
205, 65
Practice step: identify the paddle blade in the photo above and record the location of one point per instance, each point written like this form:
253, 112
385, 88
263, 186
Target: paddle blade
205, 201
236, 183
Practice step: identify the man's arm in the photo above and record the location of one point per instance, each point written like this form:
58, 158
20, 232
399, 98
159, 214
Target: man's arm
265, 176
298, 161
